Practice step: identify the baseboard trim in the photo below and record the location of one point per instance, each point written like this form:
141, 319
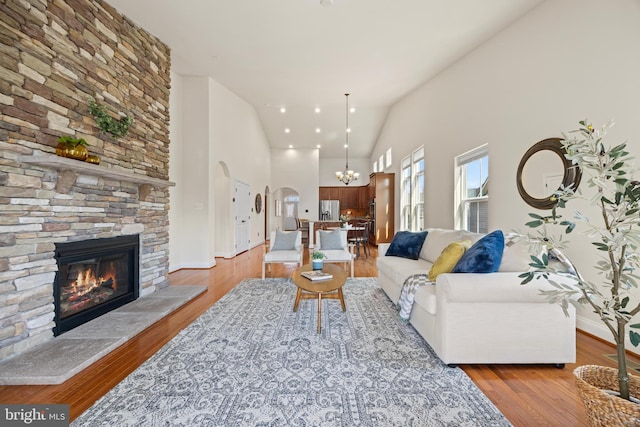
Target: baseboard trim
597, 330
194, 265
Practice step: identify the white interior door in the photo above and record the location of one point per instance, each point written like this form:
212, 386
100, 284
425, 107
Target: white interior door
242, 216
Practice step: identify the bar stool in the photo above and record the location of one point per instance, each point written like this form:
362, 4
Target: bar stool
360, 237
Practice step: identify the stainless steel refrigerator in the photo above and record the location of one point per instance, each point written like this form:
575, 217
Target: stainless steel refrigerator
329, 210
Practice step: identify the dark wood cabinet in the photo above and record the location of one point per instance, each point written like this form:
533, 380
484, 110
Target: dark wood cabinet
334, 194
324, 193
349, 197
363, 198
372, 186
382, 186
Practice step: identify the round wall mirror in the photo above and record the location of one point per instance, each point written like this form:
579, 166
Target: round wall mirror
542, 170
258, 203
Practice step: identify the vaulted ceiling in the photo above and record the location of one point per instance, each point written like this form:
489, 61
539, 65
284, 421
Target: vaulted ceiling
301, 55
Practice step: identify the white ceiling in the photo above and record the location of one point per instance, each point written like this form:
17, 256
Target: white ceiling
300, 55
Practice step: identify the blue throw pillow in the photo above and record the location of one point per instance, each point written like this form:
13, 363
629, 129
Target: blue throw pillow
484, 256
406, 244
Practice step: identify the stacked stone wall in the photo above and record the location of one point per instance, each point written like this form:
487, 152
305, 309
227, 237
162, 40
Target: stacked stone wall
54, 56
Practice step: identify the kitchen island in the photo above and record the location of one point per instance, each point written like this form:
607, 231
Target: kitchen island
324, 225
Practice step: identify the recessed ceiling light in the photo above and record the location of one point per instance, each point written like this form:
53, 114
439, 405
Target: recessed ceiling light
287, 130
283, 110
317, 109
353, 110
346, 146
290, 146
317, 130
318, 146
349, 130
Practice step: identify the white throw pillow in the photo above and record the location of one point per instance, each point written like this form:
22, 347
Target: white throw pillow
516, 255
438, 239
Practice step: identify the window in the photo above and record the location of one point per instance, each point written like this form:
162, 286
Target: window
412, 191
388, 164
405, 194
417, 196
472, 190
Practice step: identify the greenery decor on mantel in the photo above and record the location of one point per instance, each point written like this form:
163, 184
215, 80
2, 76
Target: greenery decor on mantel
612, 190
116, 127
72, 147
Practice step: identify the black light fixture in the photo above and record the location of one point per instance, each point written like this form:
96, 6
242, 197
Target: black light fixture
347, 175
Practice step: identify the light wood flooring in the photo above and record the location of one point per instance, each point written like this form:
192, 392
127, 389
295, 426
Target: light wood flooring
528, 395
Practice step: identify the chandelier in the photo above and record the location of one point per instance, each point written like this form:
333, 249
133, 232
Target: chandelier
347, 175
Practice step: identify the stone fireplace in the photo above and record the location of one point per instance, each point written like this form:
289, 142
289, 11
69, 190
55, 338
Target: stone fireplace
94, 277
57, 55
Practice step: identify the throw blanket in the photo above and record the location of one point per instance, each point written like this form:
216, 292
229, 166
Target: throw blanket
407, 295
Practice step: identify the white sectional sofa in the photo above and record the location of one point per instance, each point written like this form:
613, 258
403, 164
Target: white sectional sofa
481, 318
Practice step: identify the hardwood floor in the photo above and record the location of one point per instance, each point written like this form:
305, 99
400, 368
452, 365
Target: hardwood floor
528, 395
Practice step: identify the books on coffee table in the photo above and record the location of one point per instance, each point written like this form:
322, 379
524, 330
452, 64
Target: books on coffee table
316, 275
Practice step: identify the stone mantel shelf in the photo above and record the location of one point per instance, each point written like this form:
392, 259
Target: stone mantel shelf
68, 167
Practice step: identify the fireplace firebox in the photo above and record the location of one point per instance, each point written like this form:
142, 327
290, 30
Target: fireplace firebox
94, 277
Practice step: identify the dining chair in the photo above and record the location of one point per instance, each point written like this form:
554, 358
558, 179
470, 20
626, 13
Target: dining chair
303, 226
361, 238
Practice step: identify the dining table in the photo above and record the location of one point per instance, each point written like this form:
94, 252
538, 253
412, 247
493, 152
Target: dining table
347, 229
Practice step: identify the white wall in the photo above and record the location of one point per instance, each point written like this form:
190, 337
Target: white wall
297, 169
565, 61
175, 171
191, 227
218, 137
240, 142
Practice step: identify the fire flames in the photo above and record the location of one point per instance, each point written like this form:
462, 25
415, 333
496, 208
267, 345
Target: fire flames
86, 282
88, 289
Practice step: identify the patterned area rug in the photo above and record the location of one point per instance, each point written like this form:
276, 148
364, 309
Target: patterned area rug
251, 361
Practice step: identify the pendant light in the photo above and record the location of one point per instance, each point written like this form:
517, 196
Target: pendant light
347, 175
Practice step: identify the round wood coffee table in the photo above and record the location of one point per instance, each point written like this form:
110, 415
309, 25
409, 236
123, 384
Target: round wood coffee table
311, 289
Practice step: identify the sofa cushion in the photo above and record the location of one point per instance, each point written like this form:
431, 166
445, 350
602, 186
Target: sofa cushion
285, 241
474, 237
484, 256
449, 258
407, 244
426, 298
398, 269
516, 255
436, 241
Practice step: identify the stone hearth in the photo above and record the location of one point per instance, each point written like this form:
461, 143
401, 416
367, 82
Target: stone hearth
64, 356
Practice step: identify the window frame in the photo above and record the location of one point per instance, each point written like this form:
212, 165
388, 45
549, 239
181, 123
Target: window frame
462, 201
412, 200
